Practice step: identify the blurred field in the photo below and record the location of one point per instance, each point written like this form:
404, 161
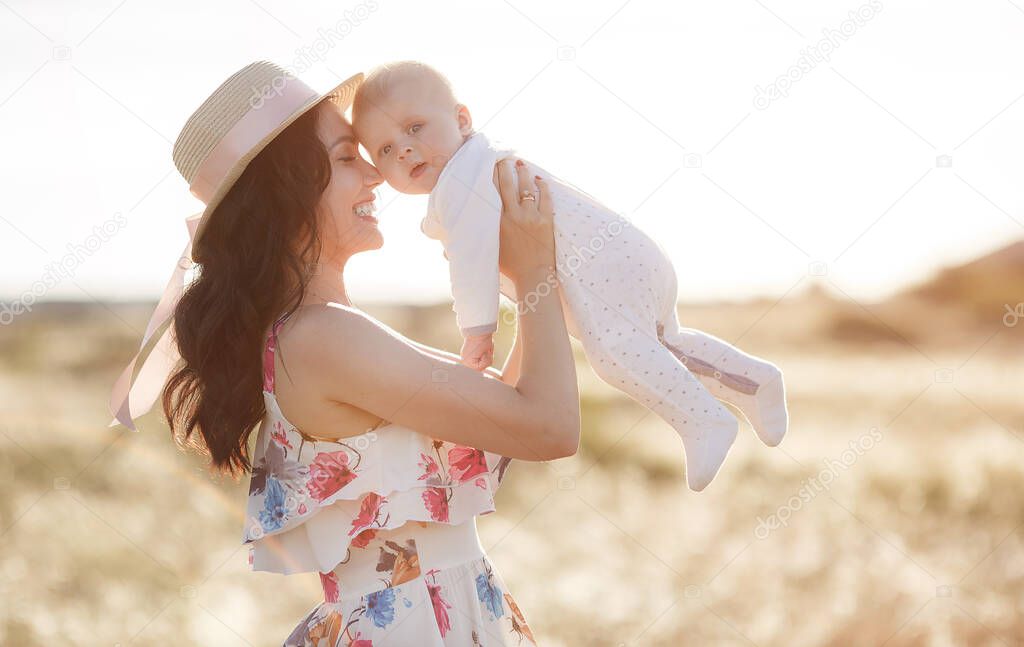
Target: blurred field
114, 538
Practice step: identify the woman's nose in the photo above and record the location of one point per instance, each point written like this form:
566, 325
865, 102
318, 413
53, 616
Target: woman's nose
373, 178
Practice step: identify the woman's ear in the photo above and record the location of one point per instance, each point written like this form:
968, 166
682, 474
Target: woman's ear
464, 119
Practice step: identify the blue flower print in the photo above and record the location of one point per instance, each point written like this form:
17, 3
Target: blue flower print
489, 594
272, 515
380, 607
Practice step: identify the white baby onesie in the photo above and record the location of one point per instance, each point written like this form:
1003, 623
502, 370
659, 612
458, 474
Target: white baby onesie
619, 295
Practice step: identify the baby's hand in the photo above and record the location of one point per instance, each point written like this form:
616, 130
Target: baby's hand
478, 351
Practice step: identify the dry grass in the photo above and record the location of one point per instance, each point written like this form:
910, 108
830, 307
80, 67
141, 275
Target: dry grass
115, 538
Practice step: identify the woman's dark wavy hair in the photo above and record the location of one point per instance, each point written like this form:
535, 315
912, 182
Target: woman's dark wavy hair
251, 270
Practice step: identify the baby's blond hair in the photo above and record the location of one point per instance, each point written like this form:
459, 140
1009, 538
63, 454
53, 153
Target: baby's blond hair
381, 77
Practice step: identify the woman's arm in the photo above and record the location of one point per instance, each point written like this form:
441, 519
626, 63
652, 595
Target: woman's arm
445, 355
531, 414
509, 374
536, 419
513, 363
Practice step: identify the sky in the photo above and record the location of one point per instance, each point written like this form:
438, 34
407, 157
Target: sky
766, 145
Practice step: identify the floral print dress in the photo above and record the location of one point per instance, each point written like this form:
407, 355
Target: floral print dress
388, 520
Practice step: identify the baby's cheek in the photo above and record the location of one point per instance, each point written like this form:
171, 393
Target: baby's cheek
392, 176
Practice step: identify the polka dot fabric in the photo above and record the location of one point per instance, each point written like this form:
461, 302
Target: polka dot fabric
620, 293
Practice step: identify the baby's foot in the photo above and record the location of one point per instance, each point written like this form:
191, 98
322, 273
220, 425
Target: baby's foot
706, 451
762, 402
765, 409
752, 385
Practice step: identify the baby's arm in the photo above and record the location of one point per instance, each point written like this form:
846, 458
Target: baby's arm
446, 356
478, 351
475, 288
469, 210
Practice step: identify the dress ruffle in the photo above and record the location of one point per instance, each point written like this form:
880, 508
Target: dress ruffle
310, 499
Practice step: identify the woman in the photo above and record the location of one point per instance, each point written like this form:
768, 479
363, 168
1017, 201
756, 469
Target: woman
374, 454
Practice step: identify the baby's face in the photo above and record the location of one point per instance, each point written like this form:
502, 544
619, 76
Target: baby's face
411, 134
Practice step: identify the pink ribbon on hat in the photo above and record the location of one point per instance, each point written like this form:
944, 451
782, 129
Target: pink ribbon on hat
141, 383
265, 114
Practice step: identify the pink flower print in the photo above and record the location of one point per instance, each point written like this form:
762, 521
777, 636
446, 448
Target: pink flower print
481, 483
330, 584
367, 512
465, 463
279, 435
360, 642
302, 508
429, 466
441, 607
437, 503
328, 473
362, 539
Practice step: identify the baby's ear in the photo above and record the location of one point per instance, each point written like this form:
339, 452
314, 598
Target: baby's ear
464, 119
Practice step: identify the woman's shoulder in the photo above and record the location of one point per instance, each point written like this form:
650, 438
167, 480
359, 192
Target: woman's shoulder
320, 317
337, 350
310, 331
314, 321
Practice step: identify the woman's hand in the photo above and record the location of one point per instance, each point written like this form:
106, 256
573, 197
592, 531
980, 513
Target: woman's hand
527, 239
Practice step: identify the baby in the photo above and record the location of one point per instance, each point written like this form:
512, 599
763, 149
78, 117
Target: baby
618, 286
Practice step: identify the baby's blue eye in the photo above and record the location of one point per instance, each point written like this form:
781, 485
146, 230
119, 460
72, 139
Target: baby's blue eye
386, 149
415, 128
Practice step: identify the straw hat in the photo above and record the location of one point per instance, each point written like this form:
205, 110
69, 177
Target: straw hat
217, 142
237, 121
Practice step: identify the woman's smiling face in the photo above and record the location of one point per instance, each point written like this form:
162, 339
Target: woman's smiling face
348, 203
